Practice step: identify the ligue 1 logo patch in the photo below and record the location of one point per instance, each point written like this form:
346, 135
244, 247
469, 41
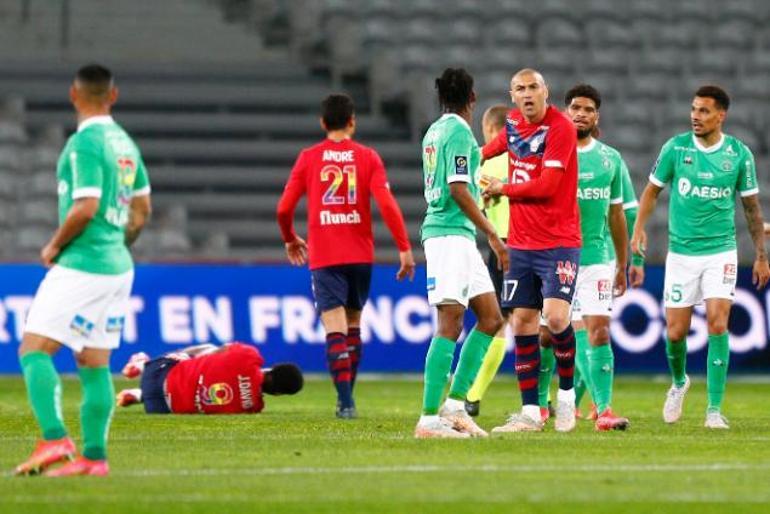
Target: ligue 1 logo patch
461, 165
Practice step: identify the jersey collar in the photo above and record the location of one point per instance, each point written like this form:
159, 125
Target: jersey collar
459, 118
709, 149
587, 148
95, 120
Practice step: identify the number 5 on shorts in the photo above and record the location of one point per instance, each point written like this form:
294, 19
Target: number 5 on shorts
509, 289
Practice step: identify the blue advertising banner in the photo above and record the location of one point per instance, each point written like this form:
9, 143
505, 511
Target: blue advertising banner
271, 306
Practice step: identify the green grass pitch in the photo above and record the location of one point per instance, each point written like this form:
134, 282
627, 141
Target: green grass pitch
296, 457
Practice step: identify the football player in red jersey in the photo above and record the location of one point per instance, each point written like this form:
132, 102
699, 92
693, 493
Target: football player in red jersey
339, 177
543, 241
207, 379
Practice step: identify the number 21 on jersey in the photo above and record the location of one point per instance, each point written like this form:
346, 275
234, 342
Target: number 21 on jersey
336, 176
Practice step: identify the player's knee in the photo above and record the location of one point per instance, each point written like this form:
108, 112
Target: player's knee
599, 336
717, 326
558, 322
450, 327
491, 324
676, 332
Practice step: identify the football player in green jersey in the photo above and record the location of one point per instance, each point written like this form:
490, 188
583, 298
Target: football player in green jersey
706, 169
600, 197
456, 275
104, 201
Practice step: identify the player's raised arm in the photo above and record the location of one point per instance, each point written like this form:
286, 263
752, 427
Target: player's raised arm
296, 247
394, 219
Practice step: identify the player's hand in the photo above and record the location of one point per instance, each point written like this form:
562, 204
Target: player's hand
639, 242
493, 187
48, 254
761, 273
636, 276
497, 246
619, 287
407, 266
297, 251
767, 229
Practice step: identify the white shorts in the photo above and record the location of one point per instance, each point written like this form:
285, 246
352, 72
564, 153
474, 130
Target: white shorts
79, 309
690, 279
456, 271
593, 291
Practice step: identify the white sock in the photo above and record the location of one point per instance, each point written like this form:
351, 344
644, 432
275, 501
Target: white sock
426, 419
532, 411
566, 395
452, 404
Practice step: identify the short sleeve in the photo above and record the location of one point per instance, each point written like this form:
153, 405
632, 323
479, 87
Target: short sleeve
663, 170
629, 195
616, 186
142, 180
560, 145
87, 174
458, 149
747, 175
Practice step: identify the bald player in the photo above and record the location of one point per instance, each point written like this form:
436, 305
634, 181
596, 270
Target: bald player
543, 241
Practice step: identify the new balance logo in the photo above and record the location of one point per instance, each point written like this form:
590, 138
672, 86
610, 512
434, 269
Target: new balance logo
334, 218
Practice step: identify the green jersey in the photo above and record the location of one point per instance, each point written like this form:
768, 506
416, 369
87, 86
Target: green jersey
704, 184
450, 153
600, 183
497, 209
100, 161
630, 205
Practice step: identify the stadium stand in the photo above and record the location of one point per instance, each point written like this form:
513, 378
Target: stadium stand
221, 118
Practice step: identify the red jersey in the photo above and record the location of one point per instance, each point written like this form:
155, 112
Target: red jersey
227, 382
340, 177
552, 222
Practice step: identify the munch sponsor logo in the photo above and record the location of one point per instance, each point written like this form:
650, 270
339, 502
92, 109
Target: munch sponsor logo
340, 218
336, 156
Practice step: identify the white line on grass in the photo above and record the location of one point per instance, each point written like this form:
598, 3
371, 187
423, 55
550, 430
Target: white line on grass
436, 468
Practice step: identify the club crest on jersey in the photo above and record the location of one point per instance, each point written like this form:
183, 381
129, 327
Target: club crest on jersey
461, 165
566, 271
727, 166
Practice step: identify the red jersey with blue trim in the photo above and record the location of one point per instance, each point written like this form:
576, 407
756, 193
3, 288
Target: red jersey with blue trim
339, 178
226, 382
555, 221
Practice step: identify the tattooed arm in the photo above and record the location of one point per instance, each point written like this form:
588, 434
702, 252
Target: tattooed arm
753, 212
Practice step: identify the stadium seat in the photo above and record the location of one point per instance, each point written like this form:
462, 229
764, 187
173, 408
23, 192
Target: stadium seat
558, 33
610, 34
735, 34
508, 33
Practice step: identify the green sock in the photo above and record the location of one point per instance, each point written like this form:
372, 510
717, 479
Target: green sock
96, 410
472, 354
582, 347
488, 370
547, 367
602, 364
676, 352
438, 363
44, 393
716, 374
580, 387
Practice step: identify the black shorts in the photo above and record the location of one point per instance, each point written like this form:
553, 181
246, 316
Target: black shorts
153, 378
496, 274
537, 274
346, 286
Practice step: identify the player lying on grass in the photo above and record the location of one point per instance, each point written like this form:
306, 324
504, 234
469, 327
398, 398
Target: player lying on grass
207, 379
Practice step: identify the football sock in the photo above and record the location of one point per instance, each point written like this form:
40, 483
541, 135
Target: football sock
582, 367
438, 363
528, 367
564, 350
488, 369
44, 393
338, 359
547, 367
602, 368
716, 373
676, 352
354, 350
471, 355
96, 410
